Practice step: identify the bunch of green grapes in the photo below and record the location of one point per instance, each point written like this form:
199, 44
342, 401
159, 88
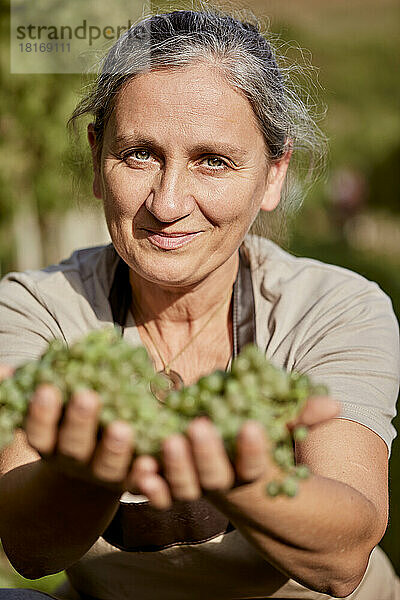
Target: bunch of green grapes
123, 377
254, 389
104, 362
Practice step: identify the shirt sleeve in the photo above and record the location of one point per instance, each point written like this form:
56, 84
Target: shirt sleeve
26, 324
353, 347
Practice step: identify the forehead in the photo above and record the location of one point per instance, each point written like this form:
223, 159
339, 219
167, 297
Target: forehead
194, 101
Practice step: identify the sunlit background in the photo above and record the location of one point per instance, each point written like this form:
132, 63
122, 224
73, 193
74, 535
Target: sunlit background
351, 217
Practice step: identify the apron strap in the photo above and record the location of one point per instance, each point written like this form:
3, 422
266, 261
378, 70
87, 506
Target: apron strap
244, 319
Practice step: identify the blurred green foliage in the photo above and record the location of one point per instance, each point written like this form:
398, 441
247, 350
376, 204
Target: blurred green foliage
40, 167
9, 578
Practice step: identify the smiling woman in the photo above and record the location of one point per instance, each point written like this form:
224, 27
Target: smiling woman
192, 135
183, 173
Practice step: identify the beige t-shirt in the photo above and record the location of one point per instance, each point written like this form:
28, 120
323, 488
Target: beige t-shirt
312, 317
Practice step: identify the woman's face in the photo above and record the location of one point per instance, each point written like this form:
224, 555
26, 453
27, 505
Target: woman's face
183, 174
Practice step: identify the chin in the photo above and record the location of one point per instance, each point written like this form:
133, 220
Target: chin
167, 270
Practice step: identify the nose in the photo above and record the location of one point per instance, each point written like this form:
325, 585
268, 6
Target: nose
171, 198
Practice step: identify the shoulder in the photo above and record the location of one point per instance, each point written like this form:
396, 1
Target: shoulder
305, 299
278, 267
81, 265
63, 300
71, 276
302, 286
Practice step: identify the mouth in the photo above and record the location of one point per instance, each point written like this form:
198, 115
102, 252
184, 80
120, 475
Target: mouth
171, 241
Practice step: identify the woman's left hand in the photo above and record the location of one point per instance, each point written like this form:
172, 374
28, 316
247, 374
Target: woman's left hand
198, 463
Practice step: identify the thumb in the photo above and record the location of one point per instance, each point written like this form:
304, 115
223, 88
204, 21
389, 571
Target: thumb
317, 410
5, 371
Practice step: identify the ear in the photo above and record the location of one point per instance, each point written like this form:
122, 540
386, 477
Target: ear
95, 161
275, 180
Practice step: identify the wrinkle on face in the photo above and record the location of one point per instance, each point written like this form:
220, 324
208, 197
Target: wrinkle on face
200, 108
208, 115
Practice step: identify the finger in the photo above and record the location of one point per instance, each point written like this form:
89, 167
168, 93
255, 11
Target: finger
251, 452
317, 410
179, 468
156, 489
44, 413
113, 454
5, 371
142, 466
77, 436
213, 466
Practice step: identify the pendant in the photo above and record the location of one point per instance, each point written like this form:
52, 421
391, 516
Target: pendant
173, 382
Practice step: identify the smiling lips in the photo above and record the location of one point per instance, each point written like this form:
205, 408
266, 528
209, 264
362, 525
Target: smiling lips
170, 241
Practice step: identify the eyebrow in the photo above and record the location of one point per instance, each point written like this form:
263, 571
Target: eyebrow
214, 147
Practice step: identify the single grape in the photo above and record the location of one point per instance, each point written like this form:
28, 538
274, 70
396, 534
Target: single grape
300, 433
274, 488
302, 471
290, 486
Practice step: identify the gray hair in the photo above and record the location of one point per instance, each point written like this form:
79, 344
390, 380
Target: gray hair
246, 59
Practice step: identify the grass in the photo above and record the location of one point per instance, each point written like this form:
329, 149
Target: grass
9, 578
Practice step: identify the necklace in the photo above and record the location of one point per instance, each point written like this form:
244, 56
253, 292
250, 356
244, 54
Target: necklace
172, 379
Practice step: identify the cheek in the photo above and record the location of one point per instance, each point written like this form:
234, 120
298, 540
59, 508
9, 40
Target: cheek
236, 203
123, 195
223, 203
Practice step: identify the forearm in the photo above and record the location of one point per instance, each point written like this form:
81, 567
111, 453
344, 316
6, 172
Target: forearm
321, 538
48, 520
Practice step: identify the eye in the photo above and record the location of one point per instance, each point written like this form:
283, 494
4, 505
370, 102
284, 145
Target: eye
215, 163
140, 155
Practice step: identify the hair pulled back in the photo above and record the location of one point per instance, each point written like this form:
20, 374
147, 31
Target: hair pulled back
247, 60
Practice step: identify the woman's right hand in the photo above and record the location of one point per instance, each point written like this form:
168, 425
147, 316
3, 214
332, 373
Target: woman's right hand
69, 441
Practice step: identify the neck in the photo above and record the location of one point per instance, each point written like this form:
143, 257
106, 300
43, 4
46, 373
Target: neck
186, 306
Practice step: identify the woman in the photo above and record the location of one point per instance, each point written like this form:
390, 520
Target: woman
193, 132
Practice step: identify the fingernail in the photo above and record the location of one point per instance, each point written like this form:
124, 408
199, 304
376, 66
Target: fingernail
44, 395
146, 464
200, 429
120, 432
172, 447
253, 428
84, 402
5, 371
335, 404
